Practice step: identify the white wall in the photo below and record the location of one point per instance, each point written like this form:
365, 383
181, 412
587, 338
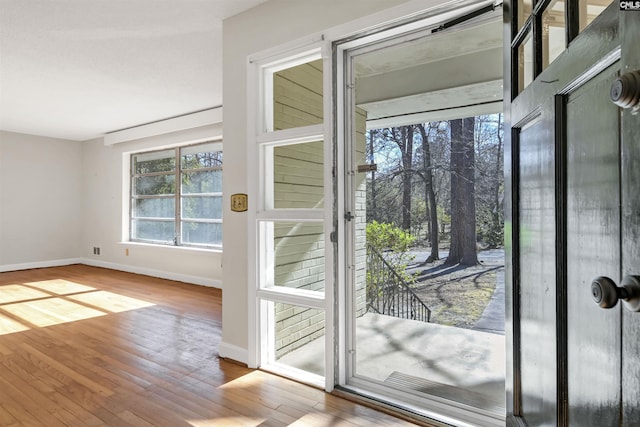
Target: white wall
105, 190
41, 201
59, 199
271, 24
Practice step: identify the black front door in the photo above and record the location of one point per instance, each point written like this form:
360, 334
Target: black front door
574, 203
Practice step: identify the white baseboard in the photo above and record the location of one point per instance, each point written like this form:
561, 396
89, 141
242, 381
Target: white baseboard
40, 264
196, 280
230, 351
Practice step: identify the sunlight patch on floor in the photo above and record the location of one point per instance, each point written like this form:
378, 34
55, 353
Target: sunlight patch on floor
16, 293
9, 325
51, 311
56, 301
111, 302
60, 286
254, 378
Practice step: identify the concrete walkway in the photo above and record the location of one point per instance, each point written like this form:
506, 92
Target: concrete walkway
492, 319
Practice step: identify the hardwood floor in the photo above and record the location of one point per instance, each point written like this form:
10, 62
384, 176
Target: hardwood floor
85, 346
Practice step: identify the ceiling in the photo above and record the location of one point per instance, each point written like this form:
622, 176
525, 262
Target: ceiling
483, 34
77, 69
446, 75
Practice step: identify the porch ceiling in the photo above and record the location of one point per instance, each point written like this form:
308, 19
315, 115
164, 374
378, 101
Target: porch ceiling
453, 74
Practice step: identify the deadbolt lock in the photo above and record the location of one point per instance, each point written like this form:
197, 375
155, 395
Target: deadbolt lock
625, 90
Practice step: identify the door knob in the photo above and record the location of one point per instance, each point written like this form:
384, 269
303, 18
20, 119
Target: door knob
625, 90
606, 294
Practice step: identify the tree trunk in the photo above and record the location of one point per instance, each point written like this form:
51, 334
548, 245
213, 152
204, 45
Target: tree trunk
455, 166
469, 245
463, 206
430, 197
406, 147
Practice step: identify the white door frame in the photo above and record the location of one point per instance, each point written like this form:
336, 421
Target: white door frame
331, 46
261, 140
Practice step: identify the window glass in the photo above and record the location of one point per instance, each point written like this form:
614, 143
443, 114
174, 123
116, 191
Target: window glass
298, 176
153, 231
154, 185
297, 253
157, 161
203, 207
297, 96
202, 181
298, 333
201, 156
155, 196
525, 62
590, 9
524, 12
202, 233
554, 38
154, 207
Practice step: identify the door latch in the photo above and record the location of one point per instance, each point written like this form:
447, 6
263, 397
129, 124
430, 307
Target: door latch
348, 216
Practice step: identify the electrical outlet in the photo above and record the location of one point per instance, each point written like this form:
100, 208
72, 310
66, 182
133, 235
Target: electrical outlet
96, 250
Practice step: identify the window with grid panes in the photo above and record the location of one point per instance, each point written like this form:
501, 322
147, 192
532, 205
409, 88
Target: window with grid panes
176, 196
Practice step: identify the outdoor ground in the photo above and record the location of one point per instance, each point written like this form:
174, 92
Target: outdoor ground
456, 295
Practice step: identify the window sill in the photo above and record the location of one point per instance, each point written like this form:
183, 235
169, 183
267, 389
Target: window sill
173, 248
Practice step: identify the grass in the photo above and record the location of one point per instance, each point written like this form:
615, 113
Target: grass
456, 295
458, 302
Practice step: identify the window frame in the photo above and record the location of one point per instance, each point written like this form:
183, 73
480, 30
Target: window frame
534, 26
178, 196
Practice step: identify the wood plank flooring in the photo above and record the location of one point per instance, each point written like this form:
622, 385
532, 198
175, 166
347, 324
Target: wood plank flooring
85, 346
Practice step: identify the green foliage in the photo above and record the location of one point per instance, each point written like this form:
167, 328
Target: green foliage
387, 237
443, 218
393, 244
419, 216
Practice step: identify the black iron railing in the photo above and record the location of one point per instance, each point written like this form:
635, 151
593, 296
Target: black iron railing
388, 293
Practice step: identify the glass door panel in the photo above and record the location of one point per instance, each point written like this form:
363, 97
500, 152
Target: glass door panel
298, 174
590, 10
297, 96
298, 339
293, 255
419, 164
525, 7
554, 39
525, 63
